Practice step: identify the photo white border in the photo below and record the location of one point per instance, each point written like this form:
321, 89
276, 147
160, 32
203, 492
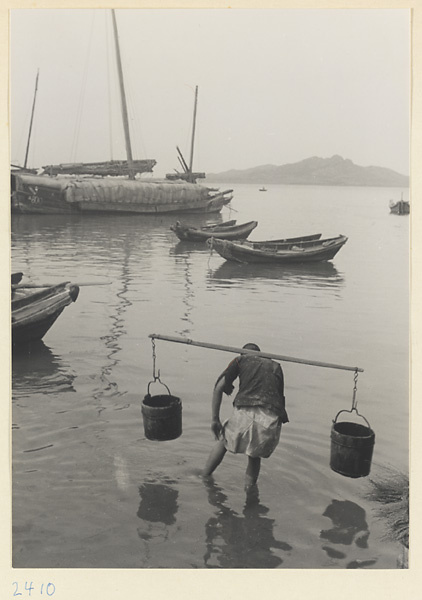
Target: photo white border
162, 584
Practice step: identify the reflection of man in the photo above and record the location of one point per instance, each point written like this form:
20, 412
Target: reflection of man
259, 411
240, 541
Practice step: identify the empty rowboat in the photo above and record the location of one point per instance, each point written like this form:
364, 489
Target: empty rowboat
222, 231
281, 253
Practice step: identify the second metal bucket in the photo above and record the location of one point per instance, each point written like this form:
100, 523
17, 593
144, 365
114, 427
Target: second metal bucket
162, 416
352, 446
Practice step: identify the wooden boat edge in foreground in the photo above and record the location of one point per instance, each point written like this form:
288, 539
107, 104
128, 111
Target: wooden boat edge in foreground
34, 313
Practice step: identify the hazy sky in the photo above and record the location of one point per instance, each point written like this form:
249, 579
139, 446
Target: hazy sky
275, 86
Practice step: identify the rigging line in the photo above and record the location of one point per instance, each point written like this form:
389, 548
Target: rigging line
139, 140
82, 93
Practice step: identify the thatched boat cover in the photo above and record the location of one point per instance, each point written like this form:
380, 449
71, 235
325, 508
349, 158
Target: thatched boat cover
117, 191
126, 191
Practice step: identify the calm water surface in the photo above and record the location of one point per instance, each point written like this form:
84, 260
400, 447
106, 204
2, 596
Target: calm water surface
90, 491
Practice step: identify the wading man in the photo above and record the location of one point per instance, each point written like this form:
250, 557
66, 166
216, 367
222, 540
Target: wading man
259, 411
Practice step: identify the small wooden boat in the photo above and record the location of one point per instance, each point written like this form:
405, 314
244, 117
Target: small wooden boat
298, 252
263, 189
401, 207
222, 231
35, 309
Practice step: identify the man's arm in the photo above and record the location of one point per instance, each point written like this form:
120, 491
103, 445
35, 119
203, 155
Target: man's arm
217, 397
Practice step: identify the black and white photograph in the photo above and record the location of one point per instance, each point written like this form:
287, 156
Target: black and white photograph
210, 227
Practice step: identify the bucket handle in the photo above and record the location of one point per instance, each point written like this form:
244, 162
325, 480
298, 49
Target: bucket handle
159, 381
350, 411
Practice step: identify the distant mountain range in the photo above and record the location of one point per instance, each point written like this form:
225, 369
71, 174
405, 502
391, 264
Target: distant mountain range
314, 171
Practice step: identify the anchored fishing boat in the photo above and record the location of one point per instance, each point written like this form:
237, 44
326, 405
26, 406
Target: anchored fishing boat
281, 253
223, 231
42, 194
401, 207
36, 308
113, 186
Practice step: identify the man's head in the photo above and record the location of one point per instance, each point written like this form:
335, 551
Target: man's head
252, 347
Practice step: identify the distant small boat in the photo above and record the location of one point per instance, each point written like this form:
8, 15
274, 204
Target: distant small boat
281, 253
401, 207
222, 231
263, 189
35, 309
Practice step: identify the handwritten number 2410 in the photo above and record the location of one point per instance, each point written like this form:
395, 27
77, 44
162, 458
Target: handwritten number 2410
47, 590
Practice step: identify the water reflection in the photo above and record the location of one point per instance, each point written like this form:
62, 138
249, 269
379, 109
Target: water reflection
35, 368
188, 297
315, 275
157, 511
86, 227
235, 541
349, 527
186, 248
117, 330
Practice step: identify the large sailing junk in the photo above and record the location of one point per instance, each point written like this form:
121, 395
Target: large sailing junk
113, 186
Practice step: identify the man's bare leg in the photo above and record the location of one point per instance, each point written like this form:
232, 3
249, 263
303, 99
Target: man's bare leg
215, 458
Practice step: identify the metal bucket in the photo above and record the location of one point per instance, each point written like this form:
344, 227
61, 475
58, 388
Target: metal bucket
162, 416
352, 445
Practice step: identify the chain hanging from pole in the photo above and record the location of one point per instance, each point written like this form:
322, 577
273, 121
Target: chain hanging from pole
355, 386
156, 373
354, 401
154, 357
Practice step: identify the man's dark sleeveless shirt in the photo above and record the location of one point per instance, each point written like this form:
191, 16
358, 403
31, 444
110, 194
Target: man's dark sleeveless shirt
261, 383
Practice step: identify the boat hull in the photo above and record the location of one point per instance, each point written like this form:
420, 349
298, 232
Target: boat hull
34, 312
248, 253
400, 208
41, 194
185, 233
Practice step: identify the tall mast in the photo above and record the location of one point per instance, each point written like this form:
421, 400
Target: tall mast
123, 99
32, 118
193, 132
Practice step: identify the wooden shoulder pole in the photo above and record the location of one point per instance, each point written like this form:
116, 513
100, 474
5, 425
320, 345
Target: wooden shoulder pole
314, 363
